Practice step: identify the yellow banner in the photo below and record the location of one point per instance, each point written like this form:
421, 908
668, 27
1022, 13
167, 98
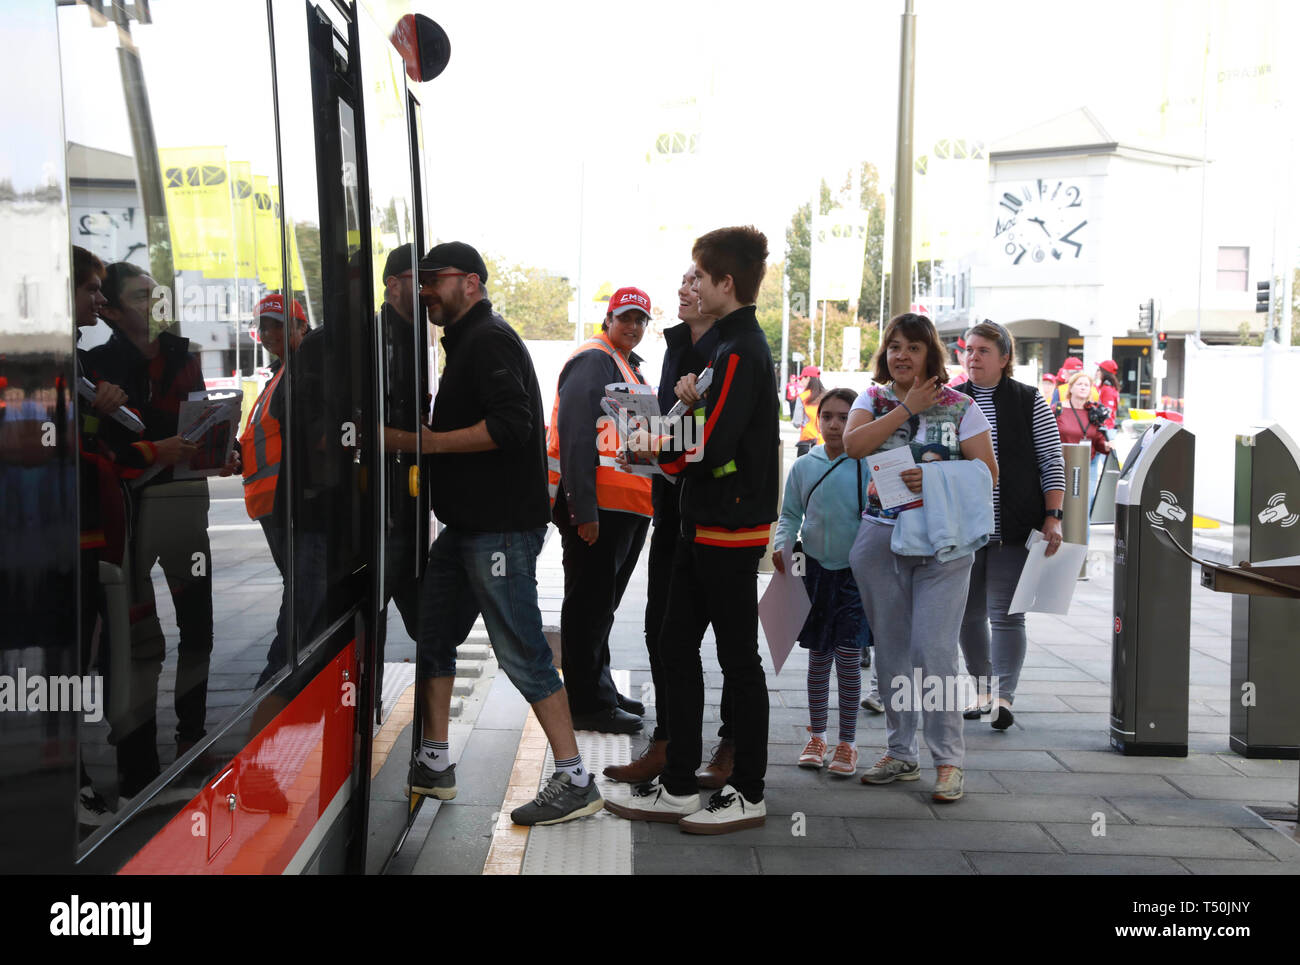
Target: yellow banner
241, 193
266, 229
199, 210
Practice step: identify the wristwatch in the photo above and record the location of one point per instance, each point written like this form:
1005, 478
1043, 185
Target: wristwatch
1056, 514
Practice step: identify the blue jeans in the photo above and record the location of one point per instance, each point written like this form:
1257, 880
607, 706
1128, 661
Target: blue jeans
494, 574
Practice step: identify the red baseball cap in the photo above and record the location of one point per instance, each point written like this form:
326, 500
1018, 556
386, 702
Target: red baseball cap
627, 299
272, 306
1109, 366
810, 371
1073, 362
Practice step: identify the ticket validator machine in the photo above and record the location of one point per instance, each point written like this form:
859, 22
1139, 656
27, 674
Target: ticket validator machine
1264, 708
1153, 587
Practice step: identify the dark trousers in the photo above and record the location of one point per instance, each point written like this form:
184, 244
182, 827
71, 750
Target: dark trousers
594, 580
663, 545
718, 586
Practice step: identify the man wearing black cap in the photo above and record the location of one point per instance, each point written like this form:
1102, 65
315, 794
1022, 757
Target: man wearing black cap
405, 407
488, 487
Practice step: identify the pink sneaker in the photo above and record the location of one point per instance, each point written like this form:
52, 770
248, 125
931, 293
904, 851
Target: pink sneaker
814, 753
845, 762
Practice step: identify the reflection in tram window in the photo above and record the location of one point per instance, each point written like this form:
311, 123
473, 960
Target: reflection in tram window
174, 186
159, 374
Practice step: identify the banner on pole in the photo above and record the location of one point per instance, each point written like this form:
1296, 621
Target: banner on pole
839, 244
199, 209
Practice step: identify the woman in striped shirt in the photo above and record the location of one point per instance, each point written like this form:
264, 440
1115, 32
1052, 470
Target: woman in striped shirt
1029, 492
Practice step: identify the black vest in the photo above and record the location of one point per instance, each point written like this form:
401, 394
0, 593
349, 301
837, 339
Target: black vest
1020, 483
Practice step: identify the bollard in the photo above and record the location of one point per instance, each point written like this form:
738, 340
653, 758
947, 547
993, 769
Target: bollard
1263, 713
1074, 509
1150, 656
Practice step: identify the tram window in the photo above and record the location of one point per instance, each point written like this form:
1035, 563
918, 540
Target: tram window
174, 185
331, 497
401, 329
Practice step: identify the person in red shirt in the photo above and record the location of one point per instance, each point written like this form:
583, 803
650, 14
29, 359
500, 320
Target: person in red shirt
792, 391
1107, 383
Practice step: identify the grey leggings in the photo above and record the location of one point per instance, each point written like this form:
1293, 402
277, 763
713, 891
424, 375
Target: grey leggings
914, 605
993, 581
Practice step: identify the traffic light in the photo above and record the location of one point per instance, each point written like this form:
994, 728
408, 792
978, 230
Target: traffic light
1264, 296
1147, 315
1161, 340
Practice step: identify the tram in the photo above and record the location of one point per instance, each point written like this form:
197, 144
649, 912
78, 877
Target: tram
185, 688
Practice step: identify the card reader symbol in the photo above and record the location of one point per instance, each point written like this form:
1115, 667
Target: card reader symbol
1167, 509
1276, 512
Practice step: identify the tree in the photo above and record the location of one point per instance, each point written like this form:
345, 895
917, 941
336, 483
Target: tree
768, 310
535, 301
798, 242
798, 249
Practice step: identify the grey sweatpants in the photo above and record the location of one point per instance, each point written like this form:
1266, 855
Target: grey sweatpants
993, 581
914, 605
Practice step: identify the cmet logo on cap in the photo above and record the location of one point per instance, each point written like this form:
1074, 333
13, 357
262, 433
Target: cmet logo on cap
626, 299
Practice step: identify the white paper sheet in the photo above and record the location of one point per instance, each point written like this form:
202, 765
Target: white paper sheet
1047, 582
886, 469
782, 610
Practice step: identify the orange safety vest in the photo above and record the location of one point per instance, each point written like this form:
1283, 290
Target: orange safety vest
260, 451
622, 492
809, 432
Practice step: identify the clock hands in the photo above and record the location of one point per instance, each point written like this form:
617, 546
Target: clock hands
1041, 224
1066, 239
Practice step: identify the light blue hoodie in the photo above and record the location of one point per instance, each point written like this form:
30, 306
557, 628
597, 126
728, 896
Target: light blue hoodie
830, 524
957, 515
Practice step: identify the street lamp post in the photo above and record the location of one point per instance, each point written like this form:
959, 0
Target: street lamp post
901, 274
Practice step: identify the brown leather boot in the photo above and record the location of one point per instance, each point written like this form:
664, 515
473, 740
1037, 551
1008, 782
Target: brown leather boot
645, 768
718, 771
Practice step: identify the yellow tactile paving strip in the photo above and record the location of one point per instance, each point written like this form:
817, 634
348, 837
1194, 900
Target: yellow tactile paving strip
401, 717
509, 842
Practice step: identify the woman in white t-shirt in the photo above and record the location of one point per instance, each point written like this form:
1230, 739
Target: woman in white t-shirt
914, 604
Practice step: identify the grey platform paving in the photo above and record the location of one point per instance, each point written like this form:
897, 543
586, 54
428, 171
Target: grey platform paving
1034, 792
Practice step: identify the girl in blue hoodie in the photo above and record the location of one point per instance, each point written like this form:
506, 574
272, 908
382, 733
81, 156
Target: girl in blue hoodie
824, 497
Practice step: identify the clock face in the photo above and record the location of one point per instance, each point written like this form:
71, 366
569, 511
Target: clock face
1041, 221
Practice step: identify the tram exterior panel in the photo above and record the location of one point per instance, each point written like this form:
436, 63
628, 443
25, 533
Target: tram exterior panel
211, 153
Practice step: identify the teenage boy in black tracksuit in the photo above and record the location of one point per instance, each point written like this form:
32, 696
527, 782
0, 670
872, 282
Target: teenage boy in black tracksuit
728, 500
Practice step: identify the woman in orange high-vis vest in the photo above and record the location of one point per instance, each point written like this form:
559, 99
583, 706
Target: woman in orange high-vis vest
601, 511
260, 442
805, 418
261, 448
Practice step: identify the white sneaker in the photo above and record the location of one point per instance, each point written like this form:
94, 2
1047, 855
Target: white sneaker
651, 802
726, 811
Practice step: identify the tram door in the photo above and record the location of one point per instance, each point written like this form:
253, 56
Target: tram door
367, 186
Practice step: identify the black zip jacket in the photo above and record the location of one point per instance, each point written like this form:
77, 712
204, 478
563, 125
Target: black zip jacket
489, 376
729, 477
680, 358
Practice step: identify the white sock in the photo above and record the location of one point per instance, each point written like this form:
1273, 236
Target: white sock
573, 766
435, 755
